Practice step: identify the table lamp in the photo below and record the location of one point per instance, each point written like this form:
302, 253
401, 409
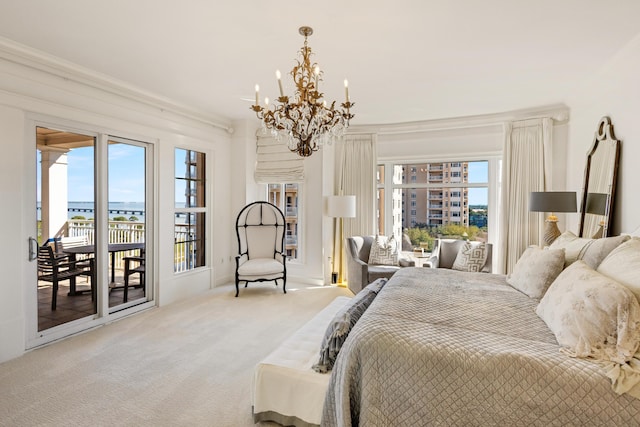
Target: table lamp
340, 207
552, 201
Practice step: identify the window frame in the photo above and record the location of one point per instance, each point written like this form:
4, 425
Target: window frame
193, 210
493, 187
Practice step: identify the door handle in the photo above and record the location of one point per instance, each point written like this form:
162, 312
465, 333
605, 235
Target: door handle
33, 249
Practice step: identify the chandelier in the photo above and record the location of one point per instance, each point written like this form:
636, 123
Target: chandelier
306, 121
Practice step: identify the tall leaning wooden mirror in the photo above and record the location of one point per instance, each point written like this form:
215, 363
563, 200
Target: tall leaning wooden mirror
600, 176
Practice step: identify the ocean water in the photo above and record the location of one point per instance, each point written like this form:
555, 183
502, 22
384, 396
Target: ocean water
86, 209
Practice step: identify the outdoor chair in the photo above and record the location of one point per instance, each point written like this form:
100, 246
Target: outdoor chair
54, 269
133, 265
260, 227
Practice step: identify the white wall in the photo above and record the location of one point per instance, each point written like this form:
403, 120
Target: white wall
310, 268
615, 92
35, 86
480, 138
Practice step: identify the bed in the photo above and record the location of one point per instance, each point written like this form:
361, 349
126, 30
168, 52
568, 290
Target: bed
442, 347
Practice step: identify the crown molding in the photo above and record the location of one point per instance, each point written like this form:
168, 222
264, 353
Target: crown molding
32, 58
558, 112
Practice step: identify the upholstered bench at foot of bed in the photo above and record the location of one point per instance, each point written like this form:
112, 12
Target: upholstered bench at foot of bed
285, 387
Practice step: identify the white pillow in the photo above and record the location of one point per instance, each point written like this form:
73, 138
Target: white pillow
536, 270
384, 251
471, 257
573, 246
594, 253
623, 265
592, 315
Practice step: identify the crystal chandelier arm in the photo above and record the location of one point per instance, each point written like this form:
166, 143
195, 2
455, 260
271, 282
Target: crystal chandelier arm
304, 120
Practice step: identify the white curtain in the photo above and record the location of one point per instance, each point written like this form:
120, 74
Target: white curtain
526, 167
276, 163
356, 161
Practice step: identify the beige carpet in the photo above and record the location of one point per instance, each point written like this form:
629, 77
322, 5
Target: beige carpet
187, 364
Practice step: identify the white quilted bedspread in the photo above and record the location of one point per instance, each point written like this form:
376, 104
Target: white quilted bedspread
444, 348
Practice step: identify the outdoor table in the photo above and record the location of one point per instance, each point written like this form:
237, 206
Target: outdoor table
112, 248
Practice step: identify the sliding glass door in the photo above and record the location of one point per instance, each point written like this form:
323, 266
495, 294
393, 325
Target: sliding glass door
127, 222
91, 241
65, 175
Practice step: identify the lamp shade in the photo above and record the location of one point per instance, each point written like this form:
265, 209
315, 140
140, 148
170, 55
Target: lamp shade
341, 206
553, 201
596, 203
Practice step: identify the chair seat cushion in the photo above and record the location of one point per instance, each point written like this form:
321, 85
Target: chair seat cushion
260, 266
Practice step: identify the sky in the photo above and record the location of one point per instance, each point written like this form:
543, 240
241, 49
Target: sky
479, 172
126, 174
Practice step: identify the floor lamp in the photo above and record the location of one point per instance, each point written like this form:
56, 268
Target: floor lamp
552, 201
340, 207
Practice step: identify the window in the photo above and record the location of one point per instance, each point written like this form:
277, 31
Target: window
286, 197
441, 203
190, 210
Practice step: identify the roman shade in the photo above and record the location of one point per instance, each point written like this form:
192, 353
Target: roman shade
275, 163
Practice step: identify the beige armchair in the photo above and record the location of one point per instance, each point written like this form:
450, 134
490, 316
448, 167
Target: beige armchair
359, 272
445, 252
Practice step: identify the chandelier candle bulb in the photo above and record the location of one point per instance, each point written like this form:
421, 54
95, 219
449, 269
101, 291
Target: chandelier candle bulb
304, 121
278, 76
257, 95
346, 89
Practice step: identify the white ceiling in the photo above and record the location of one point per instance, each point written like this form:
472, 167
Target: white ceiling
406, 60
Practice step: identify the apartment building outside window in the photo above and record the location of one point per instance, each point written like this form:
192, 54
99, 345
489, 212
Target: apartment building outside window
190, 210
445, 197
286, 197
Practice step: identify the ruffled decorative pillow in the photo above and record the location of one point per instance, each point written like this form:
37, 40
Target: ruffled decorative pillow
536, 270
384, 251
592, 315
471, 257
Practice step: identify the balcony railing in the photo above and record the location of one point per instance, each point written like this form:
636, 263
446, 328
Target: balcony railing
291, 240
119, 232
291, 212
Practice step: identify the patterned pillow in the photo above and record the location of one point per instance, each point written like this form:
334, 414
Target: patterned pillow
342, 323
592, 315
536, 270
471, 257
597, 251
573, 246
384, 251
623, 265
